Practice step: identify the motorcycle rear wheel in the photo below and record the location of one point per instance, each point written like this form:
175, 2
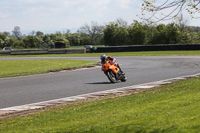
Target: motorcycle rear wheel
124, 79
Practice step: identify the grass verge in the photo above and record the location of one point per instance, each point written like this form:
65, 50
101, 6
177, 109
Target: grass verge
147, 53
169, 108
13, 68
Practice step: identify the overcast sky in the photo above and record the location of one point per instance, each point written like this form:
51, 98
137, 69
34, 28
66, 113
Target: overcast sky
57, 15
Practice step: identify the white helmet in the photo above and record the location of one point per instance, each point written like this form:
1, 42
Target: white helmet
103, 57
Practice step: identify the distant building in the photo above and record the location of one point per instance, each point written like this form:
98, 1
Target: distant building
58, 45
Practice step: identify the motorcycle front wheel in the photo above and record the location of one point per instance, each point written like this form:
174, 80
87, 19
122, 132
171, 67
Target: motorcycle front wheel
111, 76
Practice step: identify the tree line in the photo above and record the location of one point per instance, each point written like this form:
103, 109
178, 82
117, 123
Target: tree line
140, 33
112, 34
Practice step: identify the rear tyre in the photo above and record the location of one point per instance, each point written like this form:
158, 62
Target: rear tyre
124, 79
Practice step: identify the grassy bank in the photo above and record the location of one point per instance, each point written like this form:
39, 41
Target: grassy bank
13, 68
147, 53
170, 108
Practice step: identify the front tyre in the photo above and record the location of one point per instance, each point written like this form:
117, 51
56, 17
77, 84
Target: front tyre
111, 76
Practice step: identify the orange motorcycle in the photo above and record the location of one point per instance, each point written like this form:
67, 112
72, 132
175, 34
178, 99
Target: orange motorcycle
113, 72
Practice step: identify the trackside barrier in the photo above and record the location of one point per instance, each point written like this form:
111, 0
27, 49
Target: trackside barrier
5, 52
29, 52
134, 48
44, 51
67, 51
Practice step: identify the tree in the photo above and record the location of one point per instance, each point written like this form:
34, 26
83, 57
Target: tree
114, 35
56, 38
121, 22
32, 33
47, 41
16, 32
6, 33
39, 33
173, 33
93, 31
31, 42
159, 35
15, 43
4, 40
169, 9
166, 34
137, 33
73, 38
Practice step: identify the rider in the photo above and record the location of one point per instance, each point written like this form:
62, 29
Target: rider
105, 58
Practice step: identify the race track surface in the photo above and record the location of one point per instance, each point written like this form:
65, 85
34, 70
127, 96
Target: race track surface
37, 88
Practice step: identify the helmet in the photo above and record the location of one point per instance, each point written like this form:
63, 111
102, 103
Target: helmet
103, 57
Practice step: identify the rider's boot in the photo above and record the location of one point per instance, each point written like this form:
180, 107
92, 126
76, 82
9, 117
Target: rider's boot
120, 70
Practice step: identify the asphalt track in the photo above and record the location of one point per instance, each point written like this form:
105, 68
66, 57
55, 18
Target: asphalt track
37, 88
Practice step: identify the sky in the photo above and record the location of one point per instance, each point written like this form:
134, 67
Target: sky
60, 15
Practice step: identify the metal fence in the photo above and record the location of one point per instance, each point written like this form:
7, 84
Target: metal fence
43, 51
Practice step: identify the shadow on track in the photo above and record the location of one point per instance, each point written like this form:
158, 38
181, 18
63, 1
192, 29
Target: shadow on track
94, 83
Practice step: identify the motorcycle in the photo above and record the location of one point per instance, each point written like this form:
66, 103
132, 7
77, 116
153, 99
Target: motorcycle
112, 71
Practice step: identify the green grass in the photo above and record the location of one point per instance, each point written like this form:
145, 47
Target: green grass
170, 108
148, 53
12, 68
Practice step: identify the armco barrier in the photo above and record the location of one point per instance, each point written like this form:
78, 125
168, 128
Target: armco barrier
57, 51
29, 52
5, 52
67, 51
168, 47
43, 51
